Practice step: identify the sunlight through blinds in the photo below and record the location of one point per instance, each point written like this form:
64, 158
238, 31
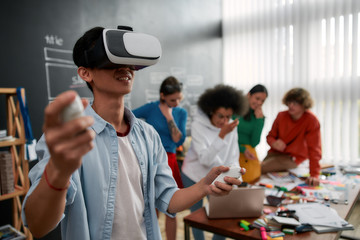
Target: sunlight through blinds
313, 44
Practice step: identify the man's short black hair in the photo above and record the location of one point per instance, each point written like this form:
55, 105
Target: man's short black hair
83, 44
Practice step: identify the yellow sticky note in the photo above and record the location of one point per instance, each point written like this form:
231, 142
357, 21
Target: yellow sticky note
277, 238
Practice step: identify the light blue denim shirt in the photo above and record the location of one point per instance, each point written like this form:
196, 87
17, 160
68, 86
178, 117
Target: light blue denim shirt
90, 199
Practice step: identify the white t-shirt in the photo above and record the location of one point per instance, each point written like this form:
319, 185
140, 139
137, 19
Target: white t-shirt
129, 204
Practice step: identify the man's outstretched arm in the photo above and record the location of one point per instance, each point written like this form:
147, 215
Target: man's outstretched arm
67, 143
186, 197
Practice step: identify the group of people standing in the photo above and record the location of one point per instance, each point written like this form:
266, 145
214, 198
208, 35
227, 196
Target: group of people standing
225, 130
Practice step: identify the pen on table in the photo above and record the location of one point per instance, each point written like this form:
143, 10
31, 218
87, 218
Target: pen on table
281, 188
346, 194
266, 185
286, 211
263, 233
299, 189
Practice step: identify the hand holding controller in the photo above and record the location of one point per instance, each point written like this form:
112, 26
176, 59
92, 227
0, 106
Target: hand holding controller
74, 110
234, 172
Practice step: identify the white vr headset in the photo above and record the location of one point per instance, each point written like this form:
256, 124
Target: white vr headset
122, 46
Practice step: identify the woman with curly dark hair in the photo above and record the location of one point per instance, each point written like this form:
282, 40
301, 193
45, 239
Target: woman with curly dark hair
214, 140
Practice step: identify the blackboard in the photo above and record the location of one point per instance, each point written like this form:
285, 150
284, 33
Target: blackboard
37, 39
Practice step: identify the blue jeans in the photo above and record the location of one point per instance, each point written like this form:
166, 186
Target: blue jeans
198, 234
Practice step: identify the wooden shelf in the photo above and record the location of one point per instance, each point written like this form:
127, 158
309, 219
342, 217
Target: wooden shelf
8, 91
10, 143
19, 191
15, 128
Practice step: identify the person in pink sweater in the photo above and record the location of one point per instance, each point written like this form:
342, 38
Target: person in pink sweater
295, 137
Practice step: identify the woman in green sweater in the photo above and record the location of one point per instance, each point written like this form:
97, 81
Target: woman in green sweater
249, 132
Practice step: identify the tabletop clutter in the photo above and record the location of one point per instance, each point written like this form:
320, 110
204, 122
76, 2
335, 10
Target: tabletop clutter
302, 208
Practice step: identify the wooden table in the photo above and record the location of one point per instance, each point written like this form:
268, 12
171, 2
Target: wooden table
230, 227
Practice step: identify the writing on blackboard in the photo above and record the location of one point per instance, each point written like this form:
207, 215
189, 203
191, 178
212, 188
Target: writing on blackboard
76, 80
54, 40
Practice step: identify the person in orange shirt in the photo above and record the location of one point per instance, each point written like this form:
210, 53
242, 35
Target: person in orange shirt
295, 137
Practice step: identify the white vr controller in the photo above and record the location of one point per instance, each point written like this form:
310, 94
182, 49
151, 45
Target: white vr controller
234, 172
74, 110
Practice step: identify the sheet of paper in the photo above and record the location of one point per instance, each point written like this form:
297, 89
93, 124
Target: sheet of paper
317, 214
286, 220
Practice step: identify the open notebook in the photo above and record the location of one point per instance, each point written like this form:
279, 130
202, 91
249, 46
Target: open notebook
240, 202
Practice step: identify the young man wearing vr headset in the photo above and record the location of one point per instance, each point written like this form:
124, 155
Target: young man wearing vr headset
103, 175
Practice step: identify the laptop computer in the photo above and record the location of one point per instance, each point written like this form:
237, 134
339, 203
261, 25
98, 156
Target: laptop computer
240, 202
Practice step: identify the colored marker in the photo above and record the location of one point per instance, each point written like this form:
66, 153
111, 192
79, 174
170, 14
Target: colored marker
244, 226
281, 188
266, 185
245, 222
302, 192
288, 231
263, 233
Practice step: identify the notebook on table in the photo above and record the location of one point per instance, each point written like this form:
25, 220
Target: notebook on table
240, 202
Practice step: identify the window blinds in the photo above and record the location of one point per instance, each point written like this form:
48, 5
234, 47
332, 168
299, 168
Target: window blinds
312, 44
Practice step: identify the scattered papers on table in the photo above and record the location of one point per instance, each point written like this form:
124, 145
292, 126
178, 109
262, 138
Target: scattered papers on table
317, 214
